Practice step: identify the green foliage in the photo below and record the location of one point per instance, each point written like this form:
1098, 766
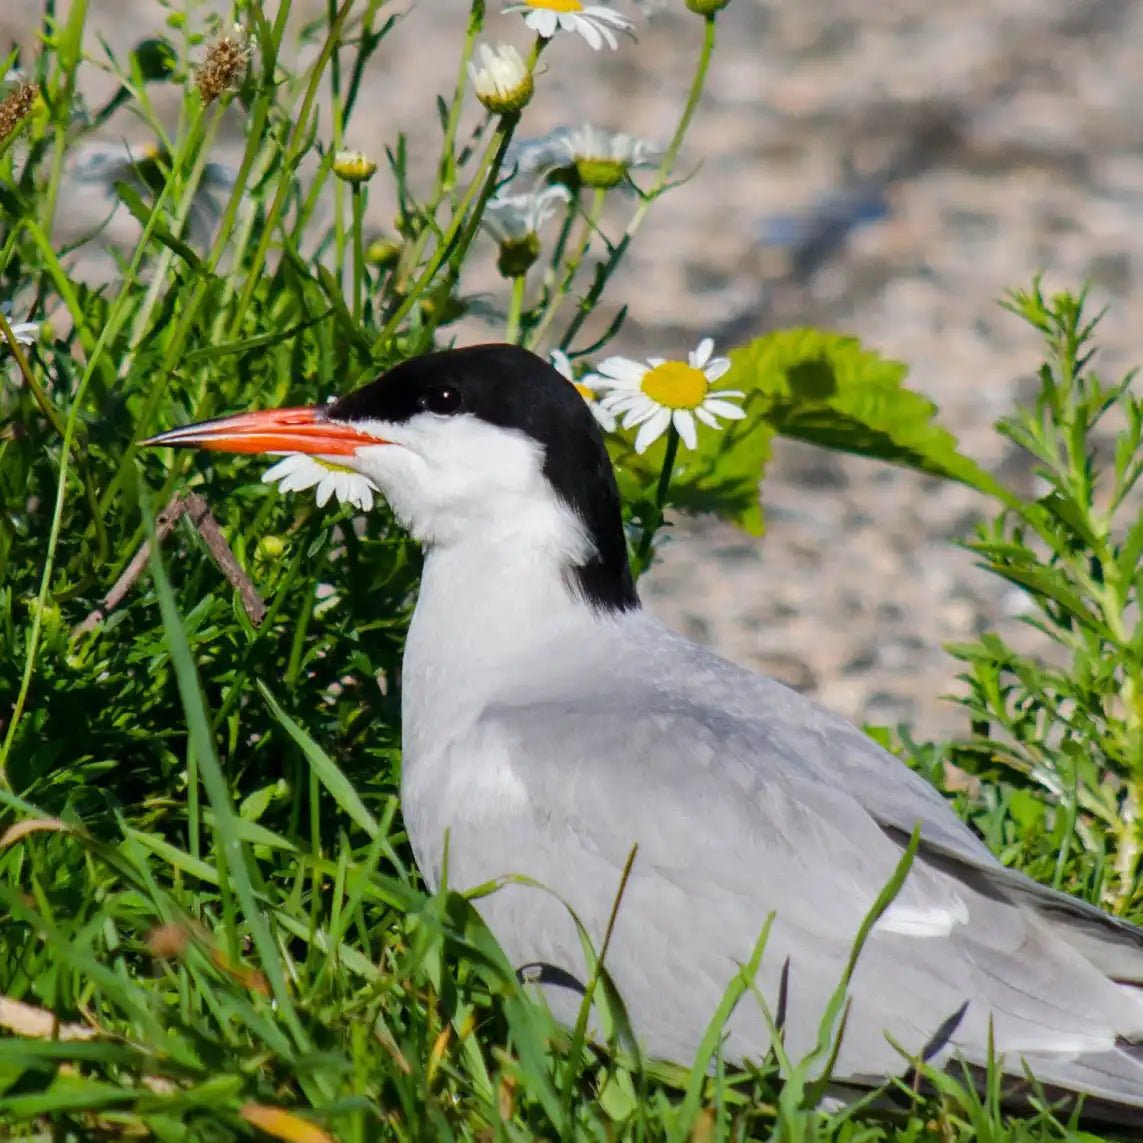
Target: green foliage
1067, 720
826, 389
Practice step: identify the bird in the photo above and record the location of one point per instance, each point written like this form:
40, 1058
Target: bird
553, 729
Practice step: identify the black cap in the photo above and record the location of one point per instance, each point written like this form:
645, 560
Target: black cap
512, 388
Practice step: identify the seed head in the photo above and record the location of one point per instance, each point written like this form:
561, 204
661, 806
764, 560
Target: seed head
225, 65
16, 107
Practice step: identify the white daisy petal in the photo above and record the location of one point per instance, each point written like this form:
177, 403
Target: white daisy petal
543, 23
300, 479
563, 366
685, 426
631, 414
727, 393
590, 33
608, 35
723, 409
652, 430
708, 419
701, 355
716, 367
594, 24
637, 414
25, 332
614, 19
324, 490
604, 418
621, 398
282, 469
296, 472
622, 369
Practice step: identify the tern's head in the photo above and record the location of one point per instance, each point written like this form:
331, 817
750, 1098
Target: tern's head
485, 443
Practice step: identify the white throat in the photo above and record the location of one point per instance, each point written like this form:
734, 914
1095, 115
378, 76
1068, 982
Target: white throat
492, 605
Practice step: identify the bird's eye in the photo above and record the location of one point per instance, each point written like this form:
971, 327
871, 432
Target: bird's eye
443, 400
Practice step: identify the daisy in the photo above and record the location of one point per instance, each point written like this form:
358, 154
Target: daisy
514, 220
502, 82
297, 471
590, 154
510, 217
604, 158
593, 23
25, 332
661, 393
585, 388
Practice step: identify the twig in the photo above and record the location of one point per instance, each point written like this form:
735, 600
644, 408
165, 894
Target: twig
196, 509
203, 519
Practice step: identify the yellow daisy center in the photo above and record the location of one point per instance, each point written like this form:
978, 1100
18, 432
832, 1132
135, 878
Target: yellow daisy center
557, 5
675, 385
584, 391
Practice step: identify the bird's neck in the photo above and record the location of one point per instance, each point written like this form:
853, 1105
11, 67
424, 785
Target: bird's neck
493, 615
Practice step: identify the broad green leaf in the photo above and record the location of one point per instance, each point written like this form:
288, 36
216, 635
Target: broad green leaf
828, 389
722, 475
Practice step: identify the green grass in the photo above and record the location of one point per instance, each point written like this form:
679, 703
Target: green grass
205, 886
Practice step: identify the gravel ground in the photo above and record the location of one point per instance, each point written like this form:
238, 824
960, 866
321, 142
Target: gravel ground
886, 170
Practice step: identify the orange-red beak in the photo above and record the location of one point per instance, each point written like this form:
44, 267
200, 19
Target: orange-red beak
270, 431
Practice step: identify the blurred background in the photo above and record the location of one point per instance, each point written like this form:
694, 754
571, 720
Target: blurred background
886, 170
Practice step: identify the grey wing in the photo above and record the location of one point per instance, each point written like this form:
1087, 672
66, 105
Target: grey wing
731, 827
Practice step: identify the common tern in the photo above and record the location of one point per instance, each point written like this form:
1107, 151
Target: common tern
551, 726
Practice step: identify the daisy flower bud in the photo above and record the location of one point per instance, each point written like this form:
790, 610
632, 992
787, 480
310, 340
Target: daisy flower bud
706, 7
353, 166
383, 253
517, 255
269, 548
502, 82
514, 220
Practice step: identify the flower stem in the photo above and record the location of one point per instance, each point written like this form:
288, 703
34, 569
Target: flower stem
515, 306
668, 467
456, 239
661, 179
581, 248
358, 202
654, 519
446, 171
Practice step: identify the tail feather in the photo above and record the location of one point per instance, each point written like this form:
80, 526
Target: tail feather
1111, 1083
1113, 945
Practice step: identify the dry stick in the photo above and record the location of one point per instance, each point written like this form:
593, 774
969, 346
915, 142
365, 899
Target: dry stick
203, 519
196, 509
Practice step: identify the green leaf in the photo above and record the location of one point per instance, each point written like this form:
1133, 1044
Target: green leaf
828, 389
327, 771
133, 201
722, 475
